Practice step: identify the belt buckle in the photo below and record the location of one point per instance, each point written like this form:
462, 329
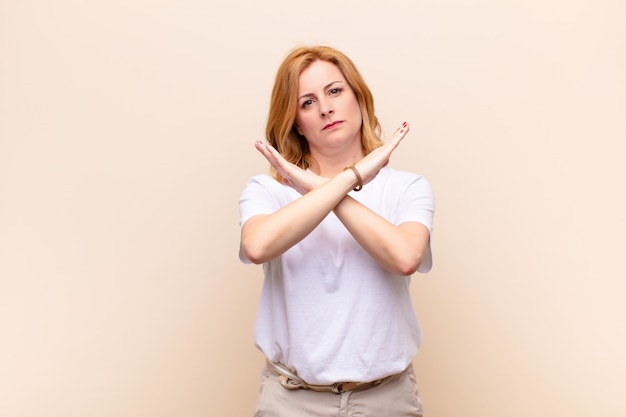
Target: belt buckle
289, 383
340, 387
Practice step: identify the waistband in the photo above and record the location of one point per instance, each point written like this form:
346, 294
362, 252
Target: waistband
291, 381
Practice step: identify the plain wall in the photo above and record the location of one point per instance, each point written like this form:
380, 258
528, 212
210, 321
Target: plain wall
126, 137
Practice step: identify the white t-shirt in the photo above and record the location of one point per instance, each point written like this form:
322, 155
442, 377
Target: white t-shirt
328, 311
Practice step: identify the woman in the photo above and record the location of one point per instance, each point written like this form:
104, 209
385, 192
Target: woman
339, 234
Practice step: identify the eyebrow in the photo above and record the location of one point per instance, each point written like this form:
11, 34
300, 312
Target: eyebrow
325, 87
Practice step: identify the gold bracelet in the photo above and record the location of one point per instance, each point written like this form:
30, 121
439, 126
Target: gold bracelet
359, 185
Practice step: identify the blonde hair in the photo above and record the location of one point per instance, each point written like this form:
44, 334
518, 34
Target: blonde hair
281, 132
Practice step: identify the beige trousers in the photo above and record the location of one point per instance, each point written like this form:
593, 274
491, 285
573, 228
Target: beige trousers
397, 396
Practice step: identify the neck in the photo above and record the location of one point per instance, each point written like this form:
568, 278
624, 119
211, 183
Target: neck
330, 163
328, 167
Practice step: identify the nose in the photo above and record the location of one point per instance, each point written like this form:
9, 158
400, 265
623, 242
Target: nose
326, 108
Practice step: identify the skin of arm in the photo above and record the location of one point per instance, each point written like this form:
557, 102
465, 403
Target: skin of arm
398, 249
264, 237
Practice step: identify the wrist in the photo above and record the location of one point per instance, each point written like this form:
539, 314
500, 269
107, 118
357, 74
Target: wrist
357, 174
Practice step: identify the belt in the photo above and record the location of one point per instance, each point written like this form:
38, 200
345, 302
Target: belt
291, 381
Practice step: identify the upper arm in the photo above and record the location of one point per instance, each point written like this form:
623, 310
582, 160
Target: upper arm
247, 231
417, 238
416, 233
415, 218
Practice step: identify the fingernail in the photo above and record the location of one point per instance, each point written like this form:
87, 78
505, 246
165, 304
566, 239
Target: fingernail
404, 124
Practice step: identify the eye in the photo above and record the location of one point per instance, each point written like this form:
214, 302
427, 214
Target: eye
335, 91
306, 103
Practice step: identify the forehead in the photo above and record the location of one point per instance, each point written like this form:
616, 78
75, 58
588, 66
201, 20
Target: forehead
318, 75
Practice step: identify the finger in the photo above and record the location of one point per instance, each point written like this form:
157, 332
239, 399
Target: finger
266, 151
406, 127
261, 147
278, 160
402, 130
400, 134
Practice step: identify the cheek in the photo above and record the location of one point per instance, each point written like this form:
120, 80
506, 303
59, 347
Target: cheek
302, 124
354, 106
297, 124
356, 110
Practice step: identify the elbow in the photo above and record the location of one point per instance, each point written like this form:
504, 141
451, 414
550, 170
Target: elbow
257, 251
408, 266
408, 269
254, 244
254, 255
250, 247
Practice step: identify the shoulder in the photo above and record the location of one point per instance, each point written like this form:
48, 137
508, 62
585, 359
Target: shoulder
266, 187
264, 181
392, 177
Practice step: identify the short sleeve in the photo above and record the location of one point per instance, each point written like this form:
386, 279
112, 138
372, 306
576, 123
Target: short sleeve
417, 204
261, 195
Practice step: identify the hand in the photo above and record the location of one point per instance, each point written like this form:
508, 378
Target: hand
373, 162
297, 178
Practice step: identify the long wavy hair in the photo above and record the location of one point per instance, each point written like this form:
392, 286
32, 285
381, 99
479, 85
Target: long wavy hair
281, 132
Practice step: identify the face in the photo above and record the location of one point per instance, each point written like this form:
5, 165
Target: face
328, 114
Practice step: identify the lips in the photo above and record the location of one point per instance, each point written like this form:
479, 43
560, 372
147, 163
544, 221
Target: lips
331, 125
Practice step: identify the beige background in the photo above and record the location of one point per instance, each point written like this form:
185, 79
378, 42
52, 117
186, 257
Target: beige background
126, 132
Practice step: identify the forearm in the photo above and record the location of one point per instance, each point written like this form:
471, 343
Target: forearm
265, 237
398, 249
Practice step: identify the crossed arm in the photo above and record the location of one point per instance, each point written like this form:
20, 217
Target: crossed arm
398, 249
